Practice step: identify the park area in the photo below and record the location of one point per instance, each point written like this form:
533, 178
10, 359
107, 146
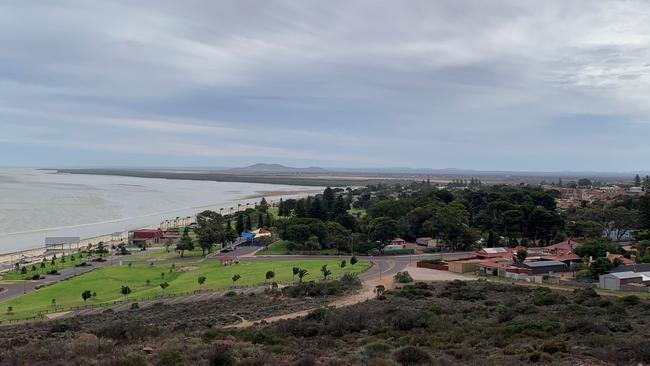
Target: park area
105, 285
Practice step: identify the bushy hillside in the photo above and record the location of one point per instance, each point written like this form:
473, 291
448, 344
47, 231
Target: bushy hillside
454, 323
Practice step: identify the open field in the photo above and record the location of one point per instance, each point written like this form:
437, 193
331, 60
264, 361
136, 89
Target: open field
162, 254
280, 248
182, 278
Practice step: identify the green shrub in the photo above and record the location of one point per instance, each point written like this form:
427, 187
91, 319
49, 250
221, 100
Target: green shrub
403, 277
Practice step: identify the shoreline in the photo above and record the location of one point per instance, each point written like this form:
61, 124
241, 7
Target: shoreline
229, 208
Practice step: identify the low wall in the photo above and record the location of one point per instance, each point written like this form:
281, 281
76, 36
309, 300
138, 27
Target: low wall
438, 266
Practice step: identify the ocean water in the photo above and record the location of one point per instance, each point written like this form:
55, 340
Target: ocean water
35, 204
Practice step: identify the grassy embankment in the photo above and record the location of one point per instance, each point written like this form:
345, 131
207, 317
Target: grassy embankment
182, 278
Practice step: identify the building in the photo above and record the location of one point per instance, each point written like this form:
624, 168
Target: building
620, 257
486, 253
398, 241
618, 280
464, 266
426, 241
567, 246
542, 267
146, 237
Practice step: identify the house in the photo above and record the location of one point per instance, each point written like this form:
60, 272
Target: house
493, 267
259, 233
398, 241
426, 241
485, 253
146, 237
620, 257
567, 246
566, 258
615, 280
542, 267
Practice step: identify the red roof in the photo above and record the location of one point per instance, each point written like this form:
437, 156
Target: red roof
145, 234
563, 247
624, 260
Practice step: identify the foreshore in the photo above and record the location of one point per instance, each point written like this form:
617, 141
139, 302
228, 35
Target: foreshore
7, 259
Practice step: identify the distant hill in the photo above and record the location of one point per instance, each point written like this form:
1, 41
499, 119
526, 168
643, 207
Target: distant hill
275, 169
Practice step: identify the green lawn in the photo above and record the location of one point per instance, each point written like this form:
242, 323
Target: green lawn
17, 275
277, 248
280, 248
107, 282
159, 255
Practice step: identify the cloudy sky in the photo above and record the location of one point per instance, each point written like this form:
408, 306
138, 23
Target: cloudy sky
505, 85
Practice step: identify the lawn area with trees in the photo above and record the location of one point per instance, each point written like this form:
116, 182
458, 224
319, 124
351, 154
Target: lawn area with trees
106, 284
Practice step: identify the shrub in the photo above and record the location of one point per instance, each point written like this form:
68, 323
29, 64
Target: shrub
403, 277
53, 272
135, 306
169, 357
411, 355
230, 294
376, 349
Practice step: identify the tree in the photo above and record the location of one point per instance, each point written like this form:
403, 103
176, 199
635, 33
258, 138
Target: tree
269, 276
342, 264
263, 206
86, 295
230, 236
644, 212
126, 290
239, 225
163, 286
201, 280
295, 270
302, 273
326, 272
210, 229
383, 230
521, 255
637, 181
316, 210
600, 266
247, 223
597, 249
353, 260
379, 290
235, 278
185, 243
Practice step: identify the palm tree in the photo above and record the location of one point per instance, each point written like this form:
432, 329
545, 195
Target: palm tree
296, 270
235, 278
126, 290
201, 280
326, 272
302, 273
163, 286
269, 275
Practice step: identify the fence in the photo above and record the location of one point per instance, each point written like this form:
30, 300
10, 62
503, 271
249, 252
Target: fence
438, 266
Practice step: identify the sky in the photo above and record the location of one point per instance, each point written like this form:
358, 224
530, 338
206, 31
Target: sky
488, 85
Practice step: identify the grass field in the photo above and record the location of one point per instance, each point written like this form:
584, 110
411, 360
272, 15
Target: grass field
159, 255
280, 248
277, 248
107, 282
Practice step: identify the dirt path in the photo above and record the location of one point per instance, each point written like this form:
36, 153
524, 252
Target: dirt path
366, 293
